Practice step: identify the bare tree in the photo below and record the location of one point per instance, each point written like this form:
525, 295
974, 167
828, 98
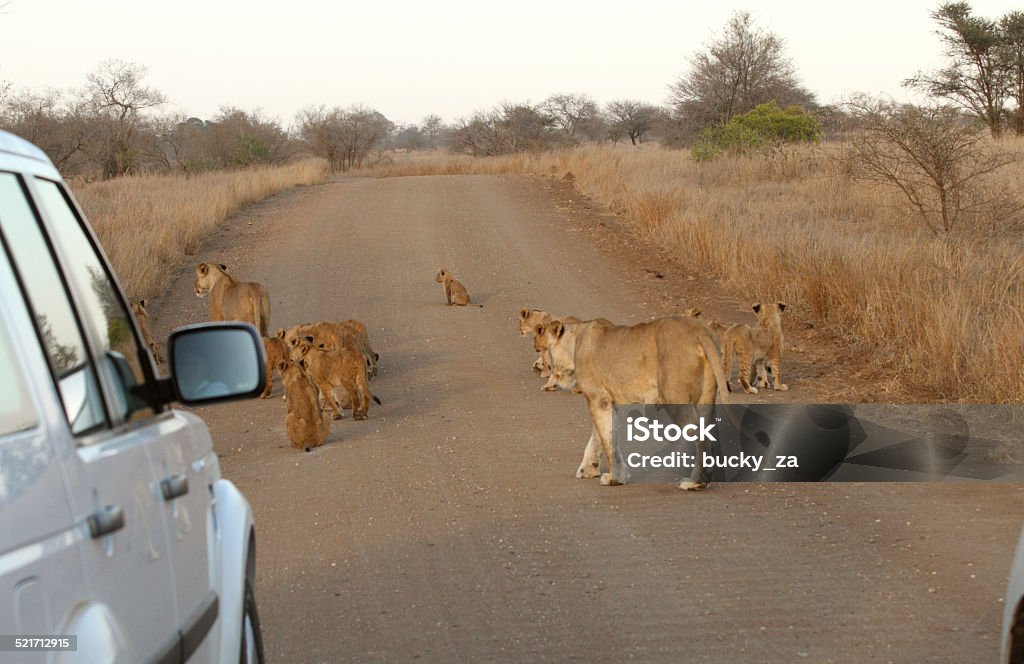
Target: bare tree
936, 159
743, 68
507, 129
433, 130
47, 120
116, 95
631, 119
571, 112
342, 136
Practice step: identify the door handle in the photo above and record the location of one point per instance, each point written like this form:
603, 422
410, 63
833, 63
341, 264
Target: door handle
108, 520
174, 486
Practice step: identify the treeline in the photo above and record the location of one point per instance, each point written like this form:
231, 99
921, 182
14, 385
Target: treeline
740, 93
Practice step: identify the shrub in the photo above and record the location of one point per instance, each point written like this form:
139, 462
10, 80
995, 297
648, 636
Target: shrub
762, 130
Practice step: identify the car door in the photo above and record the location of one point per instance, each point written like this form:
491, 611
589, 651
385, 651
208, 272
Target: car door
41, 578
106, 442
178, 445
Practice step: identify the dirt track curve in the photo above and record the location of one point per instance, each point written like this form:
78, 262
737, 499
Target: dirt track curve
450, 527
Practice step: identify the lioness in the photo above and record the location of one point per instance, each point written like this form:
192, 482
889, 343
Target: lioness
307, 422
454, 292
275, 351
332, 369
231, 299
665, 361
142, 316
758, 348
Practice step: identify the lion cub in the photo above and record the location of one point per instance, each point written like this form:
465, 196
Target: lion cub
454, 292
142, 316
276, 351
331, 369
307, 422
759, 348
533, 321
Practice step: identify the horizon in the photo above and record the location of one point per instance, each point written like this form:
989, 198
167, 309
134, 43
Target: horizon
409, 61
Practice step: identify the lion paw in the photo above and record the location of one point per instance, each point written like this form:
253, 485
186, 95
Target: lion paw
750, 389
586, 471
693, 486
782, 388
608, 480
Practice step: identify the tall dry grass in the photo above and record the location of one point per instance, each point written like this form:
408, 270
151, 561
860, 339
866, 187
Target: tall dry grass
938, 315
148, 224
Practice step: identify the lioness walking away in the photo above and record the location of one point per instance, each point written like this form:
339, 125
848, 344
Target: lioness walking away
454, 292
231, 299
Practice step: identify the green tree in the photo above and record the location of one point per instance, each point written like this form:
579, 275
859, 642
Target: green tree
976, 78
1011, 28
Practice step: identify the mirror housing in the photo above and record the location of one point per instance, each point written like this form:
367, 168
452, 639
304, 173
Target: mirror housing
214, 362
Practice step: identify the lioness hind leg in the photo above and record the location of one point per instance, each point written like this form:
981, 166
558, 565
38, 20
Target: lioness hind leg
591, 458
700, 477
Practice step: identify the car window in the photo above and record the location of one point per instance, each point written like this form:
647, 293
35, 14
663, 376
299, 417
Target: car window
54, 316
16, 410
102, 311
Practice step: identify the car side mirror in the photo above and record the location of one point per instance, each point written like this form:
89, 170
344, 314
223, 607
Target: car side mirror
213, 362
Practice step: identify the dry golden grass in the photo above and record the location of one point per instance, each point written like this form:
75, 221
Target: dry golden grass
940, 315
148, 224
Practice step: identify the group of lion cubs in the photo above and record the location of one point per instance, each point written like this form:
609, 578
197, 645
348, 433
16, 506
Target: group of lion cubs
326, 366
672, 360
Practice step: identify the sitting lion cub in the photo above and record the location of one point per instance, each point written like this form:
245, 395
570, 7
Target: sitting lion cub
454, 292
307, 422
759, 348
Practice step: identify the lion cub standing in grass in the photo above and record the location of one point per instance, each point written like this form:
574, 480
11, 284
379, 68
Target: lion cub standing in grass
231, 299
454, 292
142, 316
759, 348
307, 422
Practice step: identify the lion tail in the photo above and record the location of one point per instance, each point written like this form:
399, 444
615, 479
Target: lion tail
715, 358
262, 309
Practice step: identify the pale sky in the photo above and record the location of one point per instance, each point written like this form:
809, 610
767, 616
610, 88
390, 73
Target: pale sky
410, 59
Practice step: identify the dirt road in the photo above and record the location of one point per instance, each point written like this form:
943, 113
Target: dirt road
450, 527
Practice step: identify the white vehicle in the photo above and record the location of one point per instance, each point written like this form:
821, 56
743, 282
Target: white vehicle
116, 527
1013, 610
